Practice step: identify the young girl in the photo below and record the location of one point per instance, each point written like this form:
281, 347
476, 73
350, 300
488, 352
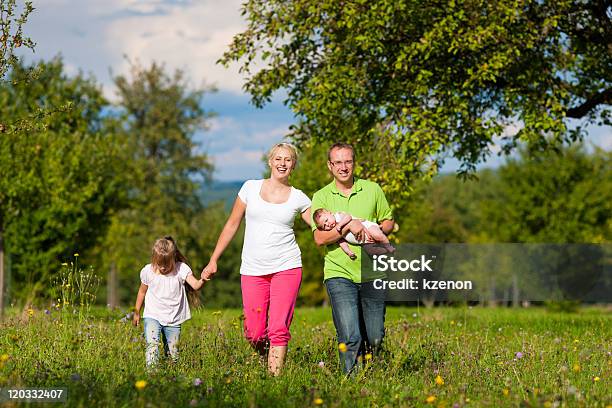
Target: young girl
164, 291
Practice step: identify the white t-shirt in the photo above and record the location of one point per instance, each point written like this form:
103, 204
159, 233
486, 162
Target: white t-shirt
350, 238
166, 298
269, 242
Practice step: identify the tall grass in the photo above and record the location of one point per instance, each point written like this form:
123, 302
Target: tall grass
446, 357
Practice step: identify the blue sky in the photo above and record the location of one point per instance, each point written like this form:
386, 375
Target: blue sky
94, 35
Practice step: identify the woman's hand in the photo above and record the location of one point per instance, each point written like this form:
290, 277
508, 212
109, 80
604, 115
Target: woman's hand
209, 270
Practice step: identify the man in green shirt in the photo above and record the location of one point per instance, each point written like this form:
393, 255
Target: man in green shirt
358, 308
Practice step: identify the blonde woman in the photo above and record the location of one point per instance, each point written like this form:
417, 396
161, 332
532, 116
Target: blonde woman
271, 268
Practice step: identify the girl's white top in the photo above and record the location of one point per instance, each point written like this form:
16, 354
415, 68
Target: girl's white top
269, 242
166, 298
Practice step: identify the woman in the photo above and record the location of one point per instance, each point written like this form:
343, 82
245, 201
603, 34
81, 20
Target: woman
271, 268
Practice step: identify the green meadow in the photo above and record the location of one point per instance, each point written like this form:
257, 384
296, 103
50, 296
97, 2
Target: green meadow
442, 357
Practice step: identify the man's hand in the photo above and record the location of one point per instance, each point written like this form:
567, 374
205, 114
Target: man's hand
358, 230
136, 318
209, 270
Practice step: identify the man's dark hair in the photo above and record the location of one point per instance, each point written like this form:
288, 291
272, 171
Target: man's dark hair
340, 145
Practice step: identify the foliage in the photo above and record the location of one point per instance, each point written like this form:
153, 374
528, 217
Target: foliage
11, 33
58, 183
160, 115
410, 82
464, 356
560, 197
554, 197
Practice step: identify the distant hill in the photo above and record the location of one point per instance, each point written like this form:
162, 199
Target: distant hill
221, 191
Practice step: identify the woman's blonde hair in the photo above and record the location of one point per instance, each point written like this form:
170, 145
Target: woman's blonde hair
165, 253
287, 146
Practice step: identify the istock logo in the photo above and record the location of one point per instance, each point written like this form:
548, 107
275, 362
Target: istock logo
384, 263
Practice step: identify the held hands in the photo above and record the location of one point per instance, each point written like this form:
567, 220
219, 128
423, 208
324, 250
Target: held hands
209, 270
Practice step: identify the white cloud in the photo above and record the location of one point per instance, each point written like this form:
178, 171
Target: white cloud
237, 146
94, 35
191, 37
239, 164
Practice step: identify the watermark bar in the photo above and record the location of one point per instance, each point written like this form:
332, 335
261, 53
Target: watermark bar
492, 272
56, 394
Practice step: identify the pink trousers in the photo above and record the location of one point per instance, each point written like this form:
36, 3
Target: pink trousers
268, 304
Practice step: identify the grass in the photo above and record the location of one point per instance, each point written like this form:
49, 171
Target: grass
565, 360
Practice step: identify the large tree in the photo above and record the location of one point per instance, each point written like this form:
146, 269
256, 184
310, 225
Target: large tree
161, 115
60, 180
411, 82
11, 38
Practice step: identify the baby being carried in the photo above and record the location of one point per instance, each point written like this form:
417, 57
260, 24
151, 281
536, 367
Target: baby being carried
326, 221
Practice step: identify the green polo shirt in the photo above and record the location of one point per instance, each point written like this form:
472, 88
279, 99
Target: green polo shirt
366, 201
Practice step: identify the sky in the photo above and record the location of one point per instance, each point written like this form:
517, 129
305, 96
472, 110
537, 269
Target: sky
94, 35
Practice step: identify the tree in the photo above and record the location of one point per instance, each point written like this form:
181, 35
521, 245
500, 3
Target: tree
556, 197
11, 37
161, 115
410, 82
11, 33
60, 181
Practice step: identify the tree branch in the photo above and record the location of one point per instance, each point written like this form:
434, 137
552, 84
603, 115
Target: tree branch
577, 112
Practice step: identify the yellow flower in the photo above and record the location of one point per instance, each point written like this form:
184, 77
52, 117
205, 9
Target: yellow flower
318, 401
368, 356
576, 341
439, 380
30, 312
430, 399
4, 357
140, 384
596, 379
342, 347
576, 367
452, 322
505, 391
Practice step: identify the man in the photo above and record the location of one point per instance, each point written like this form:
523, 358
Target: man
358, 308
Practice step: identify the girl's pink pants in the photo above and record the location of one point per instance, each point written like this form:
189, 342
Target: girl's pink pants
268, 303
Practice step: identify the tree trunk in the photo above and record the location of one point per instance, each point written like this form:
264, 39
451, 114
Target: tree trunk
1, 271
515, 291
111, 296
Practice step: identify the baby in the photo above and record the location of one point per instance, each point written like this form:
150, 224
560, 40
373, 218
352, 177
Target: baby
326, 221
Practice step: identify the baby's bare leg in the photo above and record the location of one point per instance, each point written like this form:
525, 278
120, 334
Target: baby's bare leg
345, 247
380, 238
377, 235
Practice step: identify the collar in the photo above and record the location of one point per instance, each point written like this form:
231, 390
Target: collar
357, 186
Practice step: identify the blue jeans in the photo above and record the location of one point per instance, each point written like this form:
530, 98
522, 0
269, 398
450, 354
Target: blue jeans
153, 332
358, 310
